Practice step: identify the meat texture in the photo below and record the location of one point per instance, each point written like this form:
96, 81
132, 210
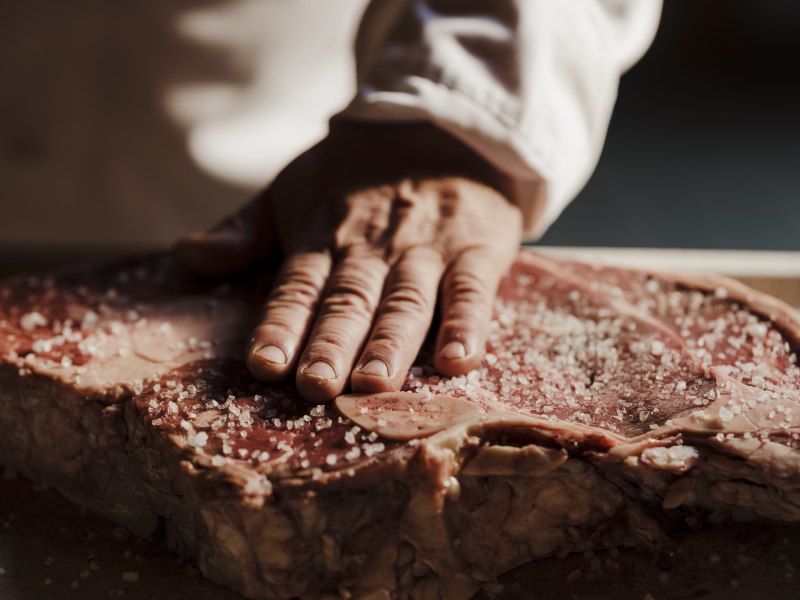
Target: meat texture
612, 407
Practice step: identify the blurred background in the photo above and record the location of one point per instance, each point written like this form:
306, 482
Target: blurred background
123, 125
704, 145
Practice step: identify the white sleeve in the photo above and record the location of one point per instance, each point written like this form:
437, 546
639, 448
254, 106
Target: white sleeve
528, 84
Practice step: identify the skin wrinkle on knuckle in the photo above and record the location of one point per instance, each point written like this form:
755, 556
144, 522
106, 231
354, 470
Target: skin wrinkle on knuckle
406, 299
288, 307
355, 287
466, 314
304, 264
303, 274
291, 301
300, 287
466, 286
354, 307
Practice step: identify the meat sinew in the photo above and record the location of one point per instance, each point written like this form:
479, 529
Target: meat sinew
612, 406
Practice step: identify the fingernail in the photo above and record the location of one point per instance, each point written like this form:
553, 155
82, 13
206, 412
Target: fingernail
320, 370
272, 354
375, 367
453, 350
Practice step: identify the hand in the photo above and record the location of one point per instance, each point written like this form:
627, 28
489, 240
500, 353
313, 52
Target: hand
372, 222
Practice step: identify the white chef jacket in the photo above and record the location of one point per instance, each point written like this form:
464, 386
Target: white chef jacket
528, 84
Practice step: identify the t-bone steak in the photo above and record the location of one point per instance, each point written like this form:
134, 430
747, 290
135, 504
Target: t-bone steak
612, 407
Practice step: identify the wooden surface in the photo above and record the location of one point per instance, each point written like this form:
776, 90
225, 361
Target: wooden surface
52, 549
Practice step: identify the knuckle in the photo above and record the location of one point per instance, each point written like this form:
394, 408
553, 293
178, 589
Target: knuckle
353, 281
291, 300
466, 314
355, 305
353, 291
406, 298
467, 287
298, 287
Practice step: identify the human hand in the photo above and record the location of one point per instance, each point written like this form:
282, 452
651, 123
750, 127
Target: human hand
374, 223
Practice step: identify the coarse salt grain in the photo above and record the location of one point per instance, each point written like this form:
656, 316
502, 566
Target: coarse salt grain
198, 440
725, 415
32, 320
373, 449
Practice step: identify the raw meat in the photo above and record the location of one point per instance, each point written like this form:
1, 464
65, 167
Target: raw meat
613, 406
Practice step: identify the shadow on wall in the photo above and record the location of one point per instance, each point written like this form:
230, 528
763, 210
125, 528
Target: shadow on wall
703, 148
85, 142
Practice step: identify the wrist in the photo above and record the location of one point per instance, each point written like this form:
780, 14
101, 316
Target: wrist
385, 151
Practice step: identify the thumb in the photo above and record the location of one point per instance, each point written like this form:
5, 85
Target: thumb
235, 243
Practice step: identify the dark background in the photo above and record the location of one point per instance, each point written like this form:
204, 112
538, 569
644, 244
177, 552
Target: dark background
704, 146
703, 149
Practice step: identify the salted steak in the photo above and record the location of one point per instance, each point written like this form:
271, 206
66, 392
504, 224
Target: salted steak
612, 407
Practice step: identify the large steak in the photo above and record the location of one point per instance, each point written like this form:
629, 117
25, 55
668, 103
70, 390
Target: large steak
612, 407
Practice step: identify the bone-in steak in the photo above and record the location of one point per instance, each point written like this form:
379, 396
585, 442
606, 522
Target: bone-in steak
612, 406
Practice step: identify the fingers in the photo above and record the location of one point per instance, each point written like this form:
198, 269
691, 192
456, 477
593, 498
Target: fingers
288, 313
237, 242
468, 292
402, 322
344, 320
